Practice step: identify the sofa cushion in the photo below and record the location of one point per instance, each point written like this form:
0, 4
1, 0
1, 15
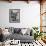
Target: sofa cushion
11, 30
23, 31
22, 38
17, 30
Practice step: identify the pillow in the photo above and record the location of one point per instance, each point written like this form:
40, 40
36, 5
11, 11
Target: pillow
5, 32
23, 31
17, 30
28, 31
11, 30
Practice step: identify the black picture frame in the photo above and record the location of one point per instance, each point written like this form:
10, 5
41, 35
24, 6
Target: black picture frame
14, 15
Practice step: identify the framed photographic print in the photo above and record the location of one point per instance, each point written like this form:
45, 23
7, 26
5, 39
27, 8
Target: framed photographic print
14, 15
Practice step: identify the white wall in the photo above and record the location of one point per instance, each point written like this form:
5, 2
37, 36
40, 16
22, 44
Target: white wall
29, 14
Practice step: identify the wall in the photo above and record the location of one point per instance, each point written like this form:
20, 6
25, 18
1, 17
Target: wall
29, 14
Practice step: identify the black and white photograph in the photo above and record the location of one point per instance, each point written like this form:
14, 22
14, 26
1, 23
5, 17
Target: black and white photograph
14, 15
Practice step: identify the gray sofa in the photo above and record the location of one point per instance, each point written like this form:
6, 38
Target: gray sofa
17, 35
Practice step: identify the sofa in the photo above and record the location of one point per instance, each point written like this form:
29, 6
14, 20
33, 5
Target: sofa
22, 34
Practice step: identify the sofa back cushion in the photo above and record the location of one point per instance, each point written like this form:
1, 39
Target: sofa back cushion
23, 31
17, 30
11, 30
